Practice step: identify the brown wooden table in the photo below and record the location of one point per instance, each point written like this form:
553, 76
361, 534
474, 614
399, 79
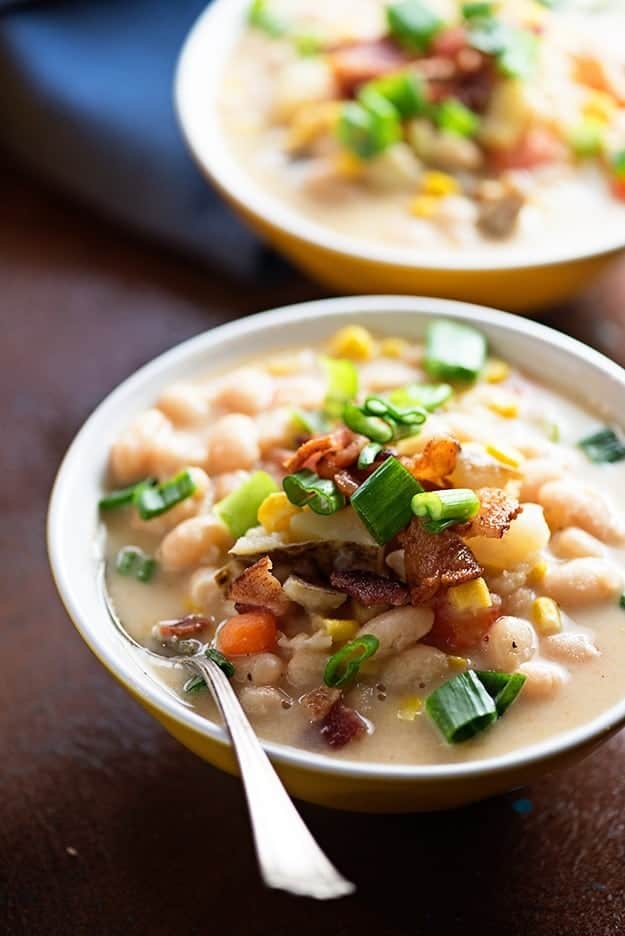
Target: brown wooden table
107, 825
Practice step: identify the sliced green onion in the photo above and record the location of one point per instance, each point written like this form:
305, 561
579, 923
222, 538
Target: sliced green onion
260, 16
461, 707
445, 508
369, 126
307, 489
197, 682
454, 351
342, 666
502, 687
453, 117
603, 446
308, 44
477, 10
132, 561
427, 396
621, 602
405, 90
369, 454
123, 496
154, 501
553, 431
413, 24
342, 384
411, 415
310, 422
239, 510
372, 427
587, 139
383, 501
515, 49
618, 164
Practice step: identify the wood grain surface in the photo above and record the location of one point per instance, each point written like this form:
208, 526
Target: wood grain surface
107, 825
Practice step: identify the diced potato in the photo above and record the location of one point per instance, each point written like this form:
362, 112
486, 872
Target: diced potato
396, 169
528, 535
508, 115
343, 526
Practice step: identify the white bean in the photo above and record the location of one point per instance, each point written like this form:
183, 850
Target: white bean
206, 595
131, 454
569, 647
475, 468
227, 483
574, 503
306, 666
582, 581
307, 392
511, 642
261, 701
260, 669
518, 603
193, 541
542, 680
275, 429
414, 669
536, 472
385, 374
248, 391
183, 404
399, 628
232, 444
574, 543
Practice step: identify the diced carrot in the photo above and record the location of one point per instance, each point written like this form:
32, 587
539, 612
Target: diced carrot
252, 632
536, 147
618, 187
454, 630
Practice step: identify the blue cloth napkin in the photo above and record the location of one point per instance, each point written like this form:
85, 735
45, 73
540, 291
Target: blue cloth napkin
86, 102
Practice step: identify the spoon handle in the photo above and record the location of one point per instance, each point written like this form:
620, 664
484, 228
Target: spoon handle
288, 855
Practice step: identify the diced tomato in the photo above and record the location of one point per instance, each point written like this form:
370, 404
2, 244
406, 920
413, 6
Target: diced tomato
455, 631
618, 187
537, 147
355, 64
450, 42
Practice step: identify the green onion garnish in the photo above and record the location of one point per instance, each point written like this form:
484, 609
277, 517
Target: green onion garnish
454, 351
239, 510
445, 508
369, 126
427, 396
621, 602
372, 427
307, 489
587, 139
405, 420
515, 49
453, 117
618, 164
261, 17
461, 707
405, 91
132, 561
502, 687
603, 446
154, 501
413, 24
343, 665
383, 501
342, 384
308, 44
123, 496
369, 454
477, 10
197, 682
310, 422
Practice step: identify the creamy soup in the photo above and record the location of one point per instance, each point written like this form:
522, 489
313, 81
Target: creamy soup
397, 551
430, 123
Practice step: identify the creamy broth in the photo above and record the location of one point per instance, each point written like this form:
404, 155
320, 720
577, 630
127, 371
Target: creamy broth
276, 109
512, 433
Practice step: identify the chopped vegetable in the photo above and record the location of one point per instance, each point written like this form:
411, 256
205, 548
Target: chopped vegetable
132, 561
314, 598
461, 707
304, 488
197, 682
261, 17
252, 632
445, 508
342, 384
275, 512
546, 616
342, 666
372, 427
502, 687
369, 454
154, 501
515, 49
409, 708
368, 127
477, 10
340, 629
308, 43
383, 501
587, 139
405, 91
380, 420
603, 446
353, 342
453, 117
310, 422
470, 596
426, 396
621, 602
239, 510
123, 496
454, 351
413, 24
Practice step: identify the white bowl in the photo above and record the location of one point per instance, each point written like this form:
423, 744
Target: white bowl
73, 531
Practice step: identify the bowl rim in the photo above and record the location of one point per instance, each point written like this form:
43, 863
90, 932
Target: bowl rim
226, 17
119, 662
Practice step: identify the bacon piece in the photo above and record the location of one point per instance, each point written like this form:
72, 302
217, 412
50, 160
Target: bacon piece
346, 483
188, 626
436, 462
496, 513
434, 561
450, 41
370, 589
358, 62
319, 701
335, 461
455, 631
256, 587
309, 453
341, 725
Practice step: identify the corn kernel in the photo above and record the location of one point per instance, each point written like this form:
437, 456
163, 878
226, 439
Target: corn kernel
507, 455
312, 122
424, 206
409, 708
546, 616
537, 573
340, 629
599, 106
275, 512
353, 342
348, 165
504, 405
439, 184
457, 663
393, 347
471, 596
496, 371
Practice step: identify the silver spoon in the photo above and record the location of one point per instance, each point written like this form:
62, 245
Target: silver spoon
288, 856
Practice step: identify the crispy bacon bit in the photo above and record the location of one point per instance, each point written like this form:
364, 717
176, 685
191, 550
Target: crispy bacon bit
370, 589
346, 483
358, 62
188, 626
435, 561
497, 511
309, 453
341, 725
256, 587
331, 464
436, 462
319, 701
